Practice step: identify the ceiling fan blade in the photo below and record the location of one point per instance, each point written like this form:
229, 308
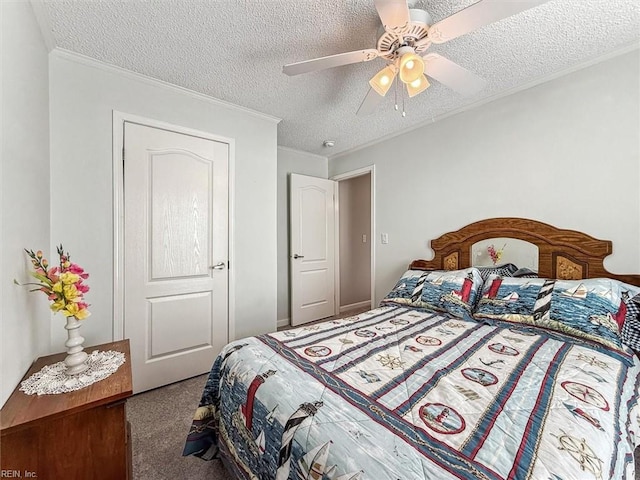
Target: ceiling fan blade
370, 102
452, 75
330, 61
477, 15
394, 15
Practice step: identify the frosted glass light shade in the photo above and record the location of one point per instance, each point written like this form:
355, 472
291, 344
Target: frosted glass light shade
411, 67
381, 81
418, 85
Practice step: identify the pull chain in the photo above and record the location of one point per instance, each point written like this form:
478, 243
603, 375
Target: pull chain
404, 114
396, 95
397, 82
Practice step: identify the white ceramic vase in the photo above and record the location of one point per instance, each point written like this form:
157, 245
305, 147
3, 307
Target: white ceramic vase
76, 360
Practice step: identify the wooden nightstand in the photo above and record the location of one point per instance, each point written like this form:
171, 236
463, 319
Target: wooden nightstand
77, 435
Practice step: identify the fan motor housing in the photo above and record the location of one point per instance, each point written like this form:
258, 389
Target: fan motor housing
417, 29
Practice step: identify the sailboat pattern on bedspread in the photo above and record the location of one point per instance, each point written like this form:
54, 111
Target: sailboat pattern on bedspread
397, 393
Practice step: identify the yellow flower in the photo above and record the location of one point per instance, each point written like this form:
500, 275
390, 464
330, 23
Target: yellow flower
57, 306
63, 285
70, 292
69, 278
76, 311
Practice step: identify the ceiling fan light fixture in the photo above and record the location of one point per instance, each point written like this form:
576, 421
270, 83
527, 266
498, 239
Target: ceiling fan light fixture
382, 81
411, 66
420, 84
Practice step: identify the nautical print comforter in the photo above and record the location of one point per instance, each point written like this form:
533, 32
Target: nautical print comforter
397, 393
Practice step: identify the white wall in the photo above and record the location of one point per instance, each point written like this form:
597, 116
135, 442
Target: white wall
25, 317
355, 255
83, 95
565, 152
290, 161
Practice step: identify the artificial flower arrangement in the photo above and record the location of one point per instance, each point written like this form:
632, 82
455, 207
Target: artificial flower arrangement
62, 284
495, 255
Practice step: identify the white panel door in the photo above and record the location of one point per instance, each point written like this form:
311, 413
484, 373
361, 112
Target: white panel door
312, 243
176, 253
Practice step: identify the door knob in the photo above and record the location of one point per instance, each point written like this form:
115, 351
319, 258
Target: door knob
295, 255
219, 266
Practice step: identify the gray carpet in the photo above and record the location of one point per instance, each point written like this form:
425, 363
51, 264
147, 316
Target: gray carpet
160, 420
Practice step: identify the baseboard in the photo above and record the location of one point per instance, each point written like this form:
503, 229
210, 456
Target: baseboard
353, 306
283, 322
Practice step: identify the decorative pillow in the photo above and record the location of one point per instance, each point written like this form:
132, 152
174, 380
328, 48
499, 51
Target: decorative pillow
505, 270
509, 298
630, 333
405, 292
590, 309
453, 291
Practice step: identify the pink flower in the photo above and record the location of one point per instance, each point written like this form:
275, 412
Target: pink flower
78, 270
61, 284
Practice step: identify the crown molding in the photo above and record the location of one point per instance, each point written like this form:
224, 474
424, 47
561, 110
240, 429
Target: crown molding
302, 152
629, 47
99, 64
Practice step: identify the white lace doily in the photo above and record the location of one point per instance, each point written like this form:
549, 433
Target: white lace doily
53, 379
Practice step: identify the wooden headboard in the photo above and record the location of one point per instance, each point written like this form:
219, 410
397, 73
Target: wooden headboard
562, 254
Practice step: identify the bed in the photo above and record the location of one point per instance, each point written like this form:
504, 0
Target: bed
460, 373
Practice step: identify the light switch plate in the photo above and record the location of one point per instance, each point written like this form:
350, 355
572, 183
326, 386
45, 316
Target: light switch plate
384, 238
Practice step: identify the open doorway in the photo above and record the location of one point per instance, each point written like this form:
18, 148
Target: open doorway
355, 240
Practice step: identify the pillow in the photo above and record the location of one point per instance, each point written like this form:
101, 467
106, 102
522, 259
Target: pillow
630, 333
510, 298
403, 292
590, 309
525, 273
452, 291
505, 270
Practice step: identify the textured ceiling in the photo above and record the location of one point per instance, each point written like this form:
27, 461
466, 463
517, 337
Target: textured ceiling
234, 50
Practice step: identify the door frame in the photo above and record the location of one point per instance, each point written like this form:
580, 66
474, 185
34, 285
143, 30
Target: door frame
118, 121
371, 170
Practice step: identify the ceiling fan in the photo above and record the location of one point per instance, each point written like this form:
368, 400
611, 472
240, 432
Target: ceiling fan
406, 35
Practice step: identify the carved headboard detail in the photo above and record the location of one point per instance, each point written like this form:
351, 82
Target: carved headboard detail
568, 268
451, 261
562, 254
